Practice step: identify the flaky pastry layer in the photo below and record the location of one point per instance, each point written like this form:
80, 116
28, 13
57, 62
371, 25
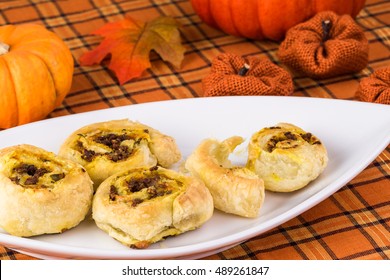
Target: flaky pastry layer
235, 190
106, 148
141, 206
41, 192
286, 157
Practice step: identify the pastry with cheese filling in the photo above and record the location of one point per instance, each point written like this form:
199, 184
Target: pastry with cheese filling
108, 147
41, 192
143, 205
286, 157
235, 190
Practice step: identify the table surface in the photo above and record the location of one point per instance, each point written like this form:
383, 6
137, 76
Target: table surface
354, 223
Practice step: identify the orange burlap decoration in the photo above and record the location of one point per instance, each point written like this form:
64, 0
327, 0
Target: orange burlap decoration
325, 46
228, 76
376, 87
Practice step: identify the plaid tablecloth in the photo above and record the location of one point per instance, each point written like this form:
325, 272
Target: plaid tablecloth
354, 223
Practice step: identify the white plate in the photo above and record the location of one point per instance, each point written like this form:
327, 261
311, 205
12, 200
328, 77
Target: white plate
353, 132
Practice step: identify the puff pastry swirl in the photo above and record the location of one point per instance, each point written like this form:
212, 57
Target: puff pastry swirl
141, 206
108, 147
235, 190
40, 192
286, 157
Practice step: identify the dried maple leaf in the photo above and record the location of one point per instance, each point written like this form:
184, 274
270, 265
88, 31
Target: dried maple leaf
130, 42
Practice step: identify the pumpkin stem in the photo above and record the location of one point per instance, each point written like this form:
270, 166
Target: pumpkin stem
244, 69
4, 48
326, 26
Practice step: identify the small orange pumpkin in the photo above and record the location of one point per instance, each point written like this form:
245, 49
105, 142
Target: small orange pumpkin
267, 19
36, 70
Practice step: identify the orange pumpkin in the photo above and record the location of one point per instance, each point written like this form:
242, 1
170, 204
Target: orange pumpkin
267, 19
36, 70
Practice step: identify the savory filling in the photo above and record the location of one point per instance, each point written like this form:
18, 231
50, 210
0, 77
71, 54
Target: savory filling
141, 186
311, 139
31, 176
114, 146
289, 140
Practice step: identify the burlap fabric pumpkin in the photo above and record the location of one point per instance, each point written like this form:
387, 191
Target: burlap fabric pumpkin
234, 75
376, 87
325, 46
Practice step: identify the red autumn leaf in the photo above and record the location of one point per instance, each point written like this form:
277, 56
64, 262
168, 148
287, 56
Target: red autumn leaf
130, 42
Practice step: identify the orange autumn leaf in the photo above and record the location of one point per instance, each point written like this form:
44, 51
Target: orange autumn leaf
130, 42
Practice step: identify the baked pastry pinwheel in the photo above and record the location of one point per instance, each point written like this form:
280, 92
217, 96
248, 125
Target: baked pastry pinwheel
143, 205
286, 157
108, 147
41, 192
235, 190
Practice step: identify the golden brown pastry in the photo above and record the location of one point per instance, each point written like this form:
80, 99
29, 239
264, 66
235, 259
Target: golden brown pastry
286, 157
141, 206
108, 147
41, 192
235, 190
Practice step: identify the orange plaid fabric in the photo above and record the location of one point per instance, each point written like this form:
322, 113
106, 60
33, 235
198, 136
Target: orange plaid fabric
354, 223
